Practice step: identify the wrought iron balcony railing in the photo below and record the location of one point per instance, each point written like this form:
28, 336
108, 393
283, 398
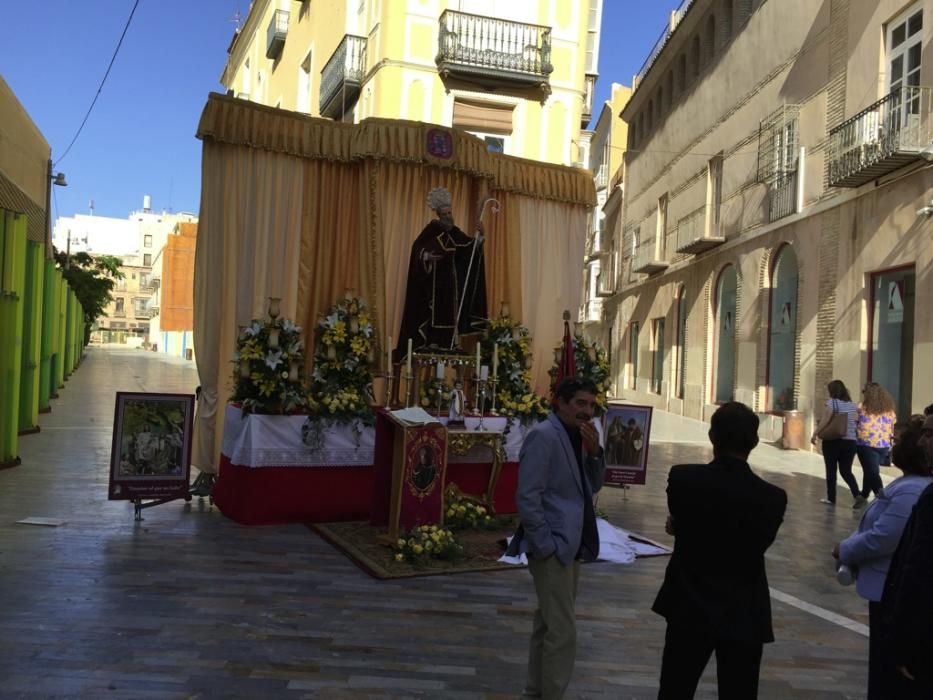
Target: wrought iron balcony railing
488, 50
881, 138
692, 236
342, 77
276, 33
649, 259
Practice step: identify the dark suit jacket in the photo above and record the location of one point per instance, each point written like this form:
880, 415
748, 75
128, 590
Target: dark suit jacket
724, 518
907, 601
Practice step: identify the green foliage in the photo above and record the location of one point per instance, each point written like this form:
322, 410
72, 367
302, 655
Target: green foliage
427, 542
92, 279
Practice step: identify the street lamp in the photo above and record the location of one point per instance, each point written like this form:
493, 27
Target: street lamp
59, 180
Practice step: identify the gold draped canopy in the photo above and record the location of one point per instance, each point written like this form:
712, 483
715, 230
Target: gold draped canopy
303, 209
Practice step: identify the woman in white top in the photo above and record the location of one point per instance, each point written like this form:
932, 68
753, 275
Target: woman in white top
838, 453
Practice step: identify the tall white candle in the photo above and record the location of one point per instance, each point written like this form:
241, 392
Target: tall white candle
484, 372
389, 356
408, 360
495, 360
440, 370
476, 366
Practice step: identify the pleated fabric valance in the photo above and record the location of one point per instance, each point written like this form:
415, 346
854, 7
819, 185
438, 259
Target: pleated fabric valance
240, 122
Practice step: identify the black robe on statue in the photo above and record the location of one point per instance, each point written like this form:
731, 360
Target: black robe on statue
434, 289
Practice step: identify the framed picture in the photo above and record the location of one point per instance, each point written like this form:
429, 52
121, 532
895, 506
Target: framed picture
626, 428
151, 454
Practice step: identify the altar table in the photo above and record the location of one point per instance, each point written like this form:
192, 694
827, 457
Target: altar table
286, 469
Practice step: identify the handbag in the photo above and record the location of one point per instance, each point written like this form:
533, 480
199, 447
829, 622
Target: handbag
838, 425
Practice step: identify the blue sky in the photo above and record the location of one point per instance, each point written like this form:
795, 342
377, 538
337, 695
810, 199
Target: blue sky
140, 137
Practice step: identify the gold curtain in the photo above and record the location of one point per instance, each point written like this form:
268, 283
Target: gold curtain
248, 249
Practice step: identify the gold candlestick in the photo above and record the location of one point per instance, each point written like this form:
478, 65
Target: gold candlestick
409, 386
390, 382
492, 410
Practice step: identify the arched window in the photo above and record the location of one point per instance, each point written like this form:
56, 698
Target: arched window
782, 331
725, 322
659, 105
649, 119
680, 380
681, 73
709, 40
743, 11
726, 14
695, 57
668, 91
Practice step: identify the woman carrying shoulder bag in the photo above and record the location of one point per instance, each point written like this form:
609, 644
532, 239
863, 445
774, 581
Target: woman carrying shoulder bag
874, 436
837, 431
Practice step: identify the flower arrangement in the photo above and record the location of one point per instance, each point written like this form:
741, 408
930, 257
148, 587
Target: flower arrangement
462, 512
427, 542
512, 343
341, 382
592, 362
268, 365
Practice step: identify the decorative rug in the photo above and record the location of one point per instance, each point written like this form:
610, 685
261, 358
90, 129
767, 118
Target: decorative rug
483, 549
360, 542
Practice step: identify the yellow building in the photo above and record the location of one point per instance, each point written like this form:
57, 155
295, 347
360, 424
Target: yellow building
519, 75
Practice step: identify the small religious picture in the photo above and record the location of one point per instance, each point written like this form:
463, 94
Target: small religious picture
151, 454
424, 465
626, 428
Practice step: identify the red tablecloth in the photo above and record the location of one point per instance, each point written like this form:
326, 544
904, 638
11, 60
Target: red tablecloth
276, 495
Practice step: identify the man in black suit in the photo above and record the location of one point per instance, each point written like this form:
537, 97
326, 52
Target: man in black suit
715, 592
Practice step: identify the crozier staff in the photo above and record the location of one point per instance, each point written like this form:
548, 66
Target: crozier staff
446, 280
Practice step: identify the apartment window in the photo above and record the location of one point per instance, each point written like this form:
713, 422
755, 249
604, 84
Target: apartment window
713, 196
633, 353
657, 355
724, 323
743, 11
668, 91
303, 104
695, 57
777, 160
118, 306
782, 332
681, 82
147, 259
147, 241
681, 347
903, 43
709, 40
726, 25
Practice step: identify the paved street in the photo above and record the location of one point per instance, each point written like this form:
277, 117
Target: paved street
189, 604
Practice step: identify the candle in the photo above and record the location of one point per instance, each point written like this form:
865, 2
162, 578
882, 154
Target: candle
484, 373
504, 311
331, 352
408, 358
440, 370
389, 356
274, 306
354, 324
527, 361
476, 366
293, 372
495, 360
274, 338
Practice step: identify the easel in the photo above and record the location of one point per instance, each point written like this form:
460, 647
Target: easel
138, 505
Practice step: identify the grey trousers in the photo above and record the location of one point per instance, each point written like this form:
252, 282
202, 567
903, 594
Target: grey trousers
553, 646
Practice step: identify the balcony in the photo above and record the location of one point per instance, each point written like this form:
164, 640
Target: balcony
605, 284
882, 138
591, 311
493, 52
152, 311
648, 259
342, 77
597, 245
276, 33
589, 90
691, 237
602, 176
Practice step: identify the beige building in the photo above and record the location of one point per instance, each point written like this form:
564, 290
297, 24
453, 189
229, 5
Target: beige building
519, 75
606, 149
777, 221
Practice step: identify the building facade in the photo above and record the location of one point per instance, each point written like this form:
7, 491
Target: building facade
606, 150
171, 306
519, 75
777, 230
138, 240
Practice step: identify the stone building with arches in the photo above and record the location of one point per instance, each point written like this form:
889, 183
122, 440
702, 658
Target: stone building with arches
777, 227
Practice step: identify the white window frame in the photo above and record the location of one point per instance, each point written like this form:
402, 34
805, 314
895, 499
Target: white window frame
506, 139
891, 54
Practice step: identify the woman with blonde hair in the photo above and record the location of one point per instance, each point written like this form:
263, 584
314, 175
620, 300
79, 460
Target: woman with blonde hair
838, 439
874, 433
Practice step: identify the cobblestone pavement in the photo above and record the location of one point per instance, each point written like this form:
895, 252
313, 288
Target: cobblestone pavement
189, 604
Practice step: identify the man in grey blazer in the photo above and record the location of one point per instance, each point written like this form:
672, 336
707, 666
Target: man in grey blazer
560, 467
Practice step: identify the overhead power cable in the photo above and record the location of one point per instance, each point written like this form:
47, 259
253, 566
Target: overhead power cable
101, 86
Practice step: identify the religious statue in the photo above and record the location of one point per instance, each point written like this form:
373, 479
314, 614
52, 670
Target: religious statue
457, 405
445, 297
